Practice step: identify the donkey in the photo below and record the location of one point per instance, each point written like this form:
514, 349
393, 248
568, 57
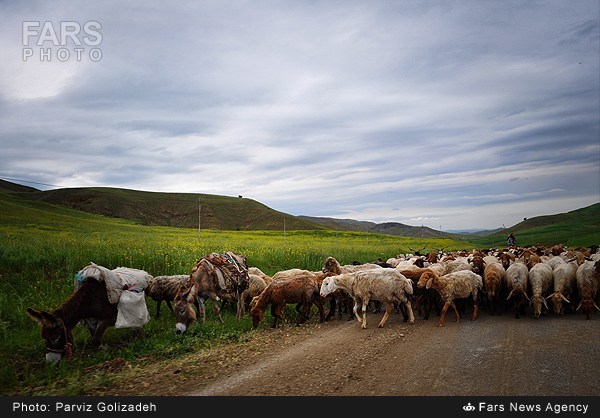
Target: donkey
89, 303
215, 276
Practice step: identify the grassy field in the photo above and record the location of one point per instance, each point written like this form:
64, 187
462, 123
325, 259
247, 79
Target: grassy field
42, 246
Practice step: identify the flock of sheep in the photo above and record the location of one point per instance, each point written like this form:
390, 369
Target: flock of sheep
512, 278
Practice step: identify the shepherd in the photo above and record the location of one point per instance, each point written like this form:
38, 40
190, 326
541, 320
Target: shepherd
511, 240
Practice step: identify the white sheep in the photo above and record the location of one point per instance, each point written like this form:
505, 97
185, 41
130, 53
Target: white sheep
588, 282
256, 284
388, 286
540, 281
490, 259
554, 261
517, 278
259, 272
333, 266
456, 265
459, 284
564, 285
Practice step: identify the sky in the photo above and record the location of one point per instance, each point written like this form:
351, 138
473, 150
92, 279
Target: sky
449, 114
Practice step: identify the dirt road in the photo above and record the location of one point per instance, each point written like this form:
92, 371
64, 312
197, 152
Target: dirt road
496, 355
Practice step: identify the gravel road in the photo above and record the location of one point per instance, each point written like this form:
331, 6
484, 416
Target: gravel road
495, 355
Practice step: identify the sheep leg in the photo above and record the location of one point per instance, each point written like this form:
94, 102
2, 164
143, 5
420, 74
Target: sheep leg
411, 315
321, 309
355, 311
386, 314
475, 309
455, 311
331, 309
304, 313
443, 314
365, 305
275, 313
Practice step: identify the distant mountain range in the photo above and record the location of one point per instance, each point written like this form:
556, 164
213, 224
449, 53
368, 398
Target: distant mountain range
236, 213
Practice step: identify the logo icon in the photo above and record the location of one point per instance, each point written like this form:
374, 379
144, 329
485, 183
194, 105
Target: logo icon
468, 407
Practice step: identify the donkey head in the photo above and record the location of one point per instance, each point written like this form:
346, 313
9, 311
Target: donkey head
58, 337
185, 314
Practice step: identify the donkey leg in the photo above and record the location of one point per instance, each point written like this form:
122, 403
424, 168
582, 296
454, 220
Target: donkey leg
217, 310
101, 327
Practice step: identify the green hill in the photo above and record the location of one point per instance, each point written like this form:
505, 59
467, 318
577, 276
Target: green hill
579, 227
169, 209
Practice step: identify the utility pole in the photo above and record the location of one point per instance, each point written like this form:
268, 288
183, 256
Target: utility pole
199, 213
284, 229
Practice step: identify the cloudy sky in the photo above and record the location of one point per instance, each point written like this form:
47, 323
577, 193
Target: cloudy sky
448, 114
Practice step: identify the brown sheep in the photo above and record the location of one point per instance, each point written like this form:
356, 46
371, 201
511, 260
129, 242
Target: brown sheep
299, 288
425, 299
494, 277
460, 284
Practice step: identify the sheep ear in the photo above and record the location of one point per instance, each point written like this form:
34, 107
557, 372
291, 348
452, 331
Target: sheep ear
510, 294
429, 283
545, 304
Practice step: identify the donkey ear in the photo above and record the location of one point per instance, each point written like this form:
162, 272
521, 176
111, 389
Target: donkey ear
43, 318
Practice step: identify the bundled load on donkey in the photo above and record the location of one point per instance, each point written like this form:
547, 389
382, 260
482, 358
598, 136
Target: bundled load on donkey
124, 286
102, 298
216, 277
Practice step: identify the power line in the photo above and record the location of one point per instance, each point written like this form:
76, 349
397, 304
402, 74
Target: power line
172, 199
32, 182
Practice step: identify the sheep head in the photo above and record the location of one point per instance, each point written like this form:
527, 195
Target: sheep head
332, 266
537, 301
328, 286
426, 280
557, 300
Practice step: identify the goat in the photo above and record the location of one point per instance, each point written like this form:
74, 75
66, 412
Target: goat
388, 286
459, 284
